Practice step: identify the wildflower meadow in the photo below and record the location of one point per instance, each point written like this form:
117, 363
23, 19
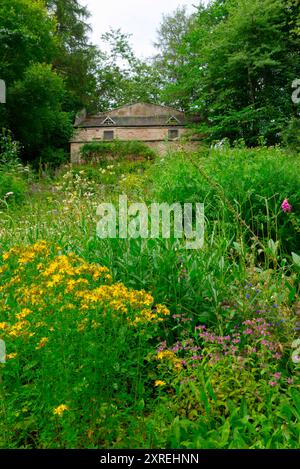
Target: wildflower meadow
142, 343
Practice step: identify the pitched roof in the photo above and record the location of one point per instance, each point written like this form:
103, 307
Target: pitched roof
135, 115
129, 121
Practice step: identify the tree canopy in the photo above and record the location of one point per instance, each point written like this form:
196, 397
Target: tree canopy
232, 62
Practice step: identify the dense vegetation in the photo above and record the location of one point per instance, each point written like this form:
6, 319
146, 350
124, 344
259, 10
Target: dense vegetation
141, 343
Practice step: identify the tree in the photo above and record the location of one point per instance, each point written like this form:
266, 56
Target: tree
76, 57
240, 60
121, 77
170, 60
36, 111
26, 36
35, 93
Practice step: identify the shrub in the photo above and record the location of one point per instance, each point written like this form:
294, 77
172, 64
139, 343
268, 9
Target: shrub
12, 181
291, 136
52, 157
75, 342
116, 149
9, 149
12, 188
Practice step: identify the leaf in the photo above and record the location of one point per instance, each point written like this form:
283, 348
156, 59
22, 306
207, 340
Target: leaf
273, 246
225, 433
296, 259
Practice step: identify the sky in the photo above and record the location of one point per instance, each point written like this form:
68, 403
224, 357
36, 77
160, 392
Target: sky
141, 18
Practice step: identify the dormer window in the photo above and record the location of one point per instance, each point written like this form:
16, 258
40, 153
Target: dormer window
172, 121
108, 121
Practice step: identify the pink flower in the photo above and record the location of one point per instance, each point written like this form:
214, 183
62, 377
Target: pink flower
277, 375
273, 383
286, 207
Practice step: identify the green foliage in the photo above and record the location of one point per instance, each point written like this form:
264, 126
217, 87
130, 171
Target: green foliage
35, 92
255, 181
13, 189
220, 371
168, 61
116, 149
13, 186
75, 59
26, 37
47, 125
291, 136
238, 62
122, 77
9, 149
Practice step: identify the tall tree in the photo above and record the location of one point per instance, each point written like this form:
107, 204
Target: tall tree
241, 59
121, 77
35, 93
76, 57
169, 61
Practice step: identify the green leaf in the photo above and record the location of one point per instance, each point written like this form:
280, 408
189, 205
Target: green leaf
296, 259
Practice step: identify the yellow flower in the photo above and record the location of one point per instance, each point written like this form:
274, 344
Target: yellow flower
10, 356
165, 354
42, 343
159, 382
60, 410
23, 313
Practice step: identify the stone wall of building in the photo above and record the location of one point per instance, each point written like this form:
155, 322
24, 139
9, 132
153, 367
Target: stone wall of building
146, 134
156, 138
162, 148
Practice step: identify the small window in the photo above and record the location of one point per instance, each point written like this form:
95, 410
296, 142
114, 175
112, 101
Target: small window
173, 133
108, 135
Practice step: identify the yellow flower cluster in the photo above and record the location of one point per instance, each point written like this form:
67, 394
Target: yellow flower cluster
39, 285
60, 410
169, 357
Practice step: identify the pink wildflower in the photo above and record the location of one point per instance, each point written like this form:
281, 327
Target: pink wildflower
286, 207
273, 383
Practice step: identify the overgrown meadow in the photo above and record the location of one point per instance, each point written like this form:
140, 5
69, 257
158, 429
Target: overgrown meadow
141, 343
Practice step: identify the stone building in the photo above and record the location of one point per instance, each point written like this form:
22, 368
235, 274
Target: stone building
160, 127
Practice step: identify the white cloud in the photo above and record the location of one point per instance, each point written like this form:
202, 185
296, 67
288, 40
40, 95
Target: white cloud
141, 18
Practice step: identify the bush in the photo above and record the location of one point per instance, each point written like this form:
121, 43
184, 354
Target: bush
75, 343
12, 188
53, 157
117, 149
9, 150
12, 182
291, 136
